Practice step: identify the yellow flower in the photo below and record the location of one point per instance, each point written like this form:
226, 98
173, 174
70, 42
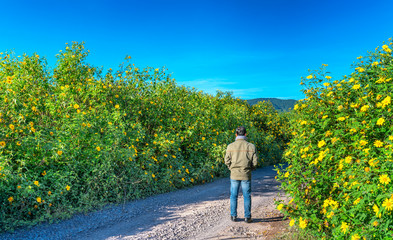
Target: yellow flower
321, 143
12, 127
388, 204
359, 69
153, 175
355, 237
76, 106
378, 143
68, 188
2, 144
344, 227
380, 121
386, 48
59, 152
384, 179
10, 199
38, 199
183, 179
341, 119
376, 210
36, 183
292, 222
356, 87
310, 76
98, 148
117, 106
302, 223
364, 108
280, 206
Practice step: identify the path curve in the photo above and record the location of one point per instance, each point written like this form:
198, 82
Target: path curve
200, 212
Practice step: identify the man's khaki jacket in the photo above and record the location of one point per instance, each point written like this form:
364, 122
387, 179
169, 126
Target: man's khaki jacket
241, 158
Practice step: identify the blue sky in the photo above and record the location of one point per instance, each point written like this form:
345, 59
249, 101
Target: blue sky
252, 48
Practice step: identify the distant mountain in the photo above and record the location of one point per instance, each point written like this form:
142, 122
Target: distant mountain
281, 105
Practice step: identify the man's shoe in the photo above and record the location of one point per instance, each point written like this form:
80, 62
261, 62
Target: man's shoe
248, 220
233, 219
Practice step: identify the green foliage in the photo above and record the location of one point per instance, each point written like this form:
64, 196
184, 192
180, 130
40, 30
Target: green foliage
340, 157
73, 138
281, 105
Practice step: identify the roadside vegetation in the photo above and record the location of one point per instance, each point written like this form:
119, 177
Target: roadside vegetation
75, 137
340, 159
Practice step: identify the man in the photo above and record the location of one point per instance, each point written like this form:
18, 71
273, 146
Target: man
241, 158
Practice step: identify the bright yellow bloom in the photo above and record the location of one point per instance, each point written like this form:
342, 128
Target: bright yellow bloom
10, 199
378, 143
36, 183
356, 87
117, 106
386, 101
98, 148
380, 121
384, 179
355, 237
310, 76
344, 227
280, 206
11, 126
292, 222
76, 106
386, 48
2, 144
302, 223
363, 142
59, 152
388, 204
341, 119
376, 210
38, 199
68, 188
321, 143
359, 69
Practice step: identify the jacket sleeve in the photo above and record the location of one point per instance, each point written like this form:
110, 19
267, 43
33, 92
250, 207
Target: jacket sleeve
254, 158
228, 158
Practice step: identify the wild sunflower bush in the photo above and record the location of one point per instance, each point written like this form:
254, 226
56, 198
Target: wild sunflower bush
340, 157
74, 138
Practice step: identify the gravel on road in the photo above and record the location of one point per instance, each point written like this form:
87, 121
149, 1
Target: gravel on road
200, 212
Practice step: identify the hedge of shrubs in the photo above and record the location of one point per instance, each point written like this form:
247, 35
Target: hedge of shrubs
74, 138
340, 159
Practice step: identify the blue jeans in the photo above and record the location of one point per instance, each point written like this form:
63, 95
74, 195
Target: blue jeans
246, 188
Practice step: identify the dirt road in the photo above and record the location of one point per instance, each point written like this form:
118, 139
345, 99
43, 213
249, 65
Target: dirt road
200, 212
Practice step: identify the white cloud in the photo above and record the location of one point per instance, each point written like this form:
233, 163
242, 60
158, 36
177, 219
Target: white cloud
211, 85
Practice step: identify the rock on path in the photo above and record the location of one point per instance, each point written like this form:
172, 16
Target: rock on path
200, 212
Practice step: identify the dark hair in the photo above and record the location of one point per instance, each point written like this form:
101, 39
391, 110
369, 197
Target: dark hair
241, 131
